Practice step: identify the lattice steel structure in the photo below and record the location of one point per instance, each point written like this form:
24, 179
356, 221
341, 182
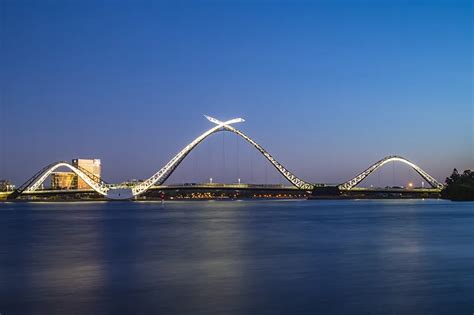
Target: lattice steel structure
36, 180
118, 192
111, 191
159, 177
360, 177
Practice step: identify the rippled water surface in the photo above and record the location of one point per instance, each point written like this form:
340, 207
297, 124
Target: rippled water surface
230, 257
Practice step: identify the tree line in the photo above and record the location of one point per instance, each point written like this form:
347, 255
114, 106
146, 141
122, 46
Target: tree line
459, 186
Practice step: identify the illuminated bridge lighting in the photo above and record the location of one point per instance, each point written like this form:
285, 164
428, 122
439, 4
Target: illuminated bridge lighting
115, 191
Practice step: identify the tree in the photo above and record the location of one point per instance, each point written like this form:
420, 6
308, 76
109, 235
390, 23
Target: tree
459, 186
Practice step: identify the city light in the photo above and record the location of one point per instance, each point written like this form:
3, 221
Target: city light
116, 191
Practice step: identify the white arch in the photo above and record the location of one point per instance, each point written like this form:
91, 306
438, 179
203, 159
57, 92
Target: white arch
159, 177
360, 177
101, 188
121, 193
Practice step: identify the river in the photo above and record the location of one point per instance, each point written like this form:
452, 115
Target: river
237, 257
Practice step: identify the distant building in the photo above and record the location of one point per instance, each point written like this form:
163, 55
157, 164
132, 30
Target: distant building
63, 180
131, 182
6, 185
91, 166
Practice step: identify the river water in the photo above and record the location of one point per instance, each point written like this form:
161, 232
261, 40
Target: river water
237, 257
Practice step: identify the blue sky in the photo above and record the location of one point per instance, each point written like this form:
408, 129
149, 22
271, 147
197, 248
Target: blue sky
328, 87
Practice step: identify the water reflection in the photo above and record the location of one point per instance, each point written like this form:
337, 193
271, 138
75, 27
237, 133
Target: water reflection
237, 257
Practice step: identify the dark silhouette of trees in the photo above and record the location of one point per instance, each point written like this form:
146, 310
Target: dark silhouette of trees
459, 186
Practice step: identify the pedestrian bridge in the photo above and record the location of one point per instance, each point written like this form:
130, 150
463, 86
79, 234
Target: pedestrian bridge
120, 192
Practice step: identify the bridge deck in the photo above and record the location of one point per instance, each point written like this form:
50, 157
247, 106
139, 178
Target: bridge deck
215, 187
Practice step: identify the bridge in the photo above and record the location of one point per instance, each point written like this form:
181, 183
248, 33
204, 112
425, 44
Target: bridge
122, 192
180, 191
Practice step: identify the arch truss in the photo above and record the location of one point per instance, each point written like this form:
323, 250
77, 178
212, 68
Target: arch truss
360, 177
118, 192
35, 182
159, 177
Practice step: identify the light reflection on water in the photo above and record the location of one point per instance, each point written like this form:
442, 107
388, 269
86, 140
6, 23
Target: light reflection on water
386, 256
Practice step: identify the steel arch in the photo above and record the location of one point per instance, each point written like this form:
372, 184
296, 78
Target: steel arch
360, 177
159, 177
119, 192
95, 183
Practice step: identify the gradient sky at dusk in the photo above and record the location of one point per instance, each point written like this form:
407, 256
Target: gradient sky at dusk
328, 87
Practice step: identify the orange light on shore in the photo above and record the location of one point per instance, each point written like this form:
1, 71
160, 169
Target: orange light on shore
410, 185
